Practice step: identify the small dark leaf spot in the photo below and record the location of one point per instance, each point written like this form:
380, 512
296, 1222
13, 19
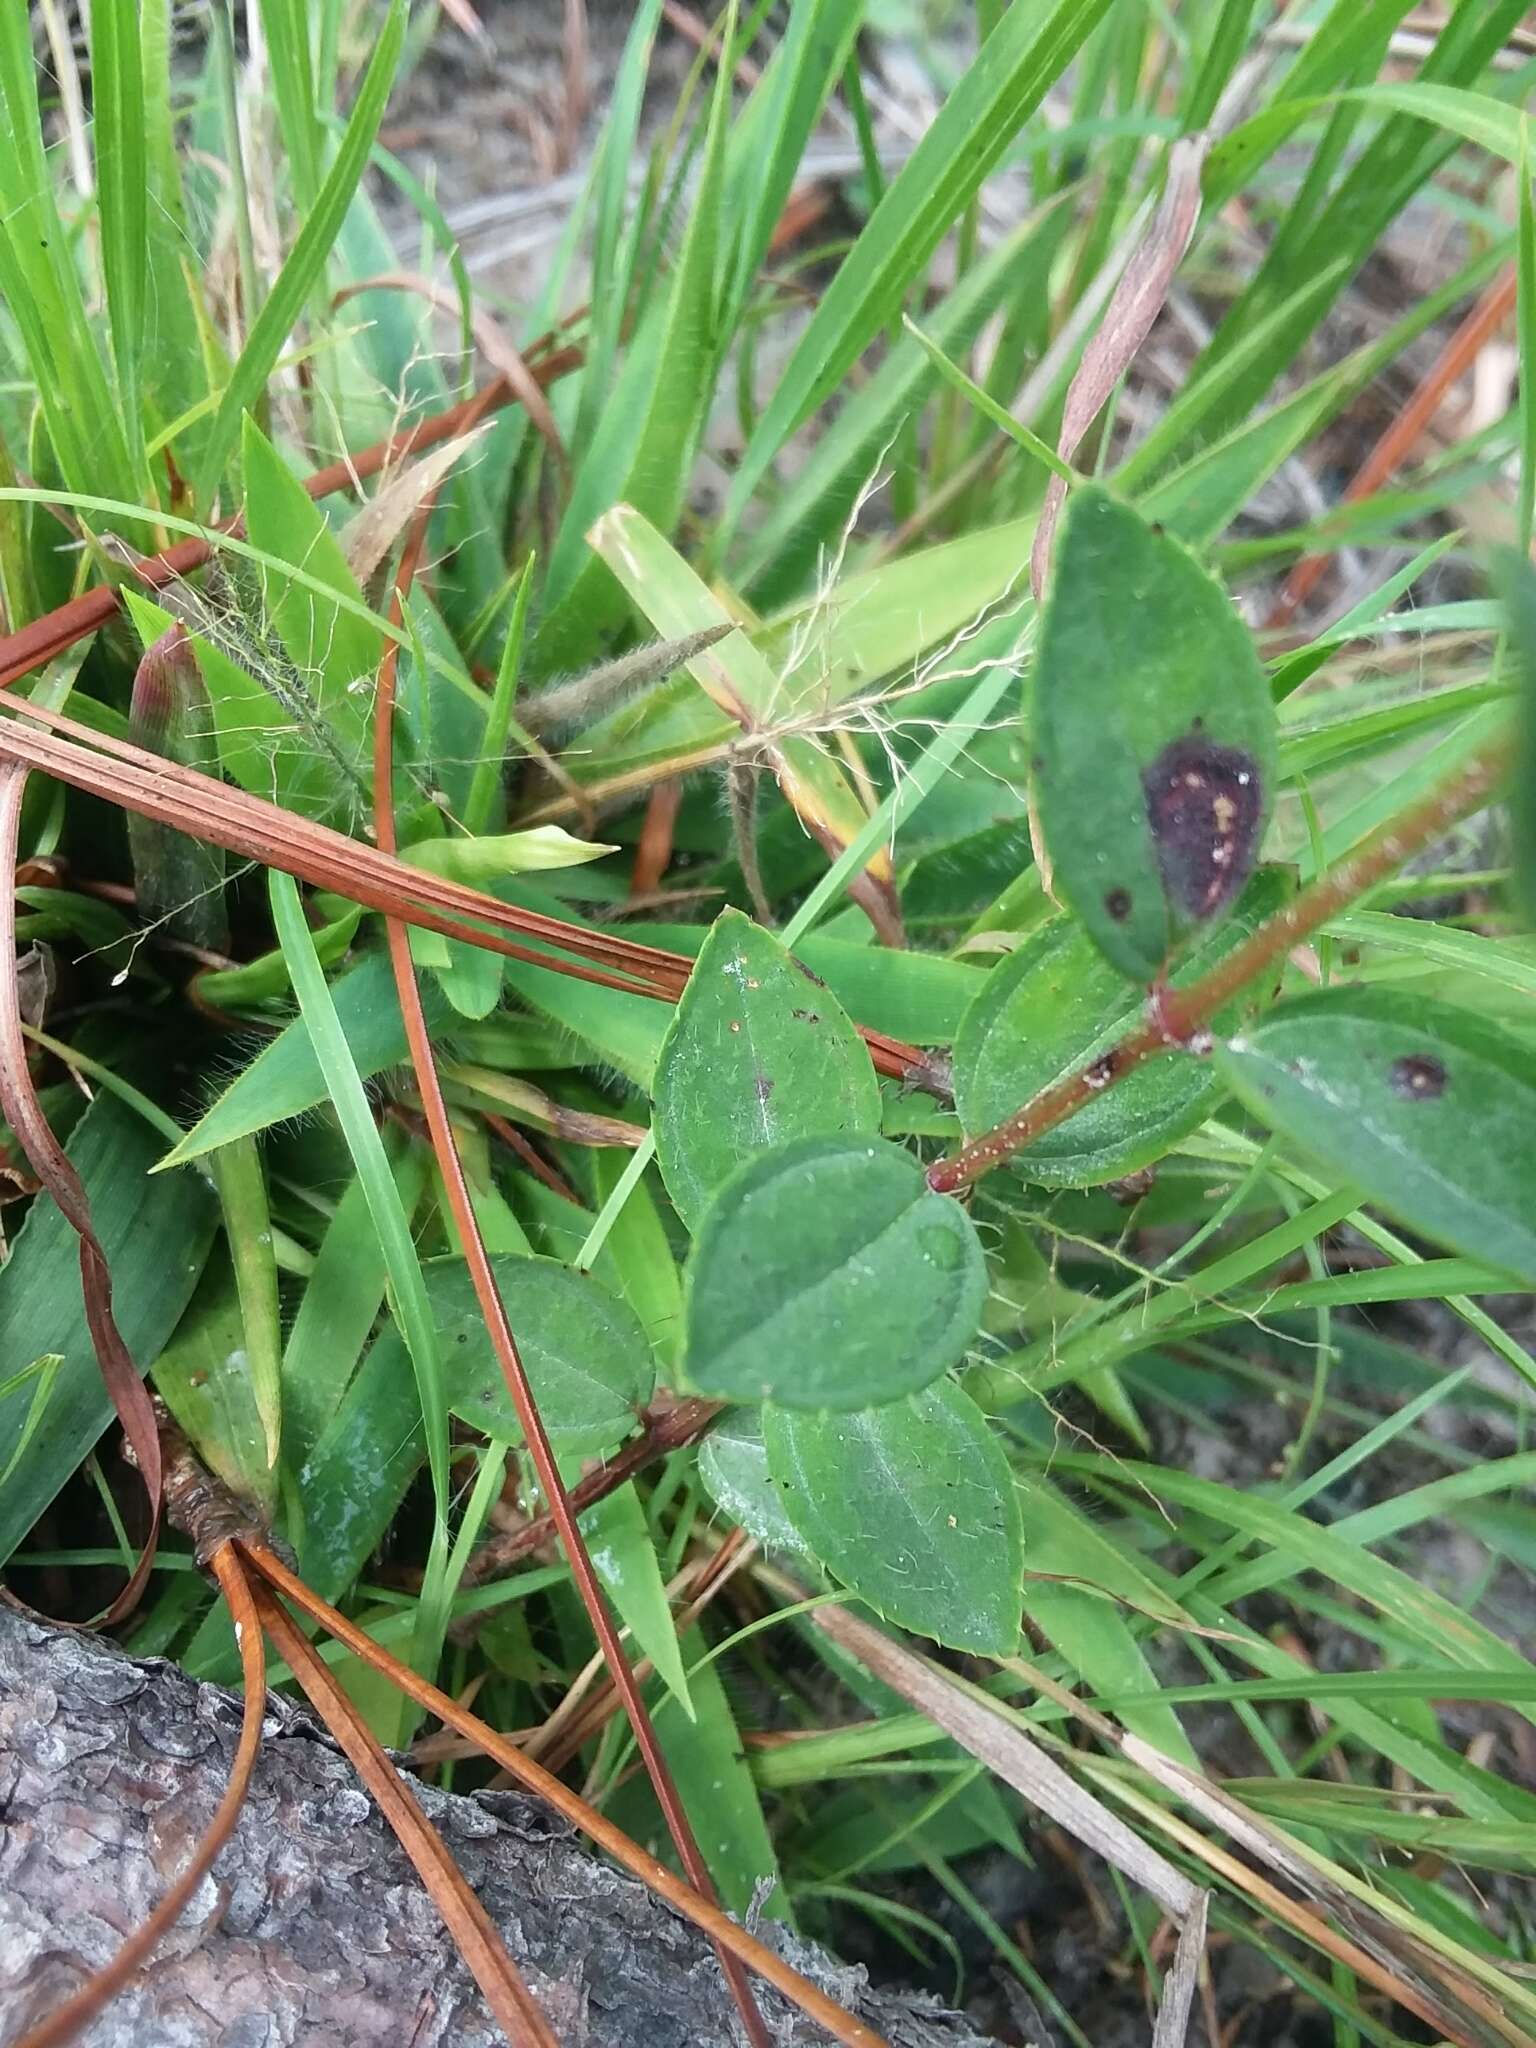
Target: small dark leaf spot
807, 1016
1118, 904
1417, 1077
1204, 805
764, 1086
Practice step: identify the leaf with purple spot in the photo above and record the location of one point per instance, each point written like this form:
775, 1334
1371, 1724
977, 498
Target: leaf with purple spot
1153, 737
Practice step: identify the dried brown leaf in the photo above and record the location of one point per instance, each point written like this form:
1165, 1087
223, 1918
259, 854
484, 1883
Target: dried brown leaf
1128, 318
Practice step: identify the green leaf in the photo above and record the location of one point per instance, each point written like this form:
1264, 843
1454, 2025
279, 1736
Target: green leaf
242, 1186
1430, 1109
913, 1506
715, 1783
202, 1377
1077, 1577
342, 1299
829, 1275
1517, 580
733, 1464
285, 1079
586, 1354
274, 323
356, 1477
758, 1053
623, 1555
1050, 1008
155, 1232
1022, 58
1153, 734
332, 650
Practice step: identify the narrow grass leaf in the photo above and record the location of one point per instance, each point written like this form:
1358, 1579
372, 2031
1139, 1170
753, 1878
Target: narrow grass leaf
306, 261
1021, 60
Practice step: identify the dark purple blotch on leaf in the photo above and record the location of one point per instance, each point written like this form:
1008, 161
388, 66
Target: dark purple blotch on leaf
1417, 1077
1205, 805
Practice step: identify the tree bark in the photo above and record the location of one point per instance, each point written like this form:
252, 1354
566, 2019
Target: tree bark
312, 1927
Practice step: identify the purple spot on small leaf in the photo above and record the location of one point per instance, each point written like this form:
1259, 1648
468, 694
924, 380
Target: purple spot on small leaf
1205, 806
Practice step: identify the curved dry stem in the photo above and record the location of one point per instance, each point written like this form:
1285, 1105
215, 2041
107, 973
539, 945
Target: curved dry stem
77, 2012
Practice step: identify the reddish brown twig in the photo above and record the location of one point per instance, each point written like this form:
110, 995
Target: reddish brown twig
1405, 428
670, 1430
498, 1325
1176, 1017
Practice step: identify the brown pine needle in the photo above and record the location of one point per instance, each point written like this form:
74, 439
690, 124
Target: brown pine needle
473, 1930
842, 2025
456, 1186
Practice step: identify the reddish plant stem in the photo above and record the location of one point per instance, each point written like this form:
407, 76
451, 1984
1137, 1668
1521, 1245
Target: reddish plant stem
1176, 1017
499, 1327
44, 638
1402, 434
671, 1430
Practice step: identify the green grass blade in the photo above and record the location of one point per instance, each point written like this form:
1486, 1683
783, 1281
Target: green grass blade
1022, 59
408, 1289
306, 261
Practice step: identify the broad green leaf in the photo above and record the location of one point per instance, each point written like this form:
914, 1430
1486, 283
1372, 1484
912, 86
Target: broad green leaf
587, 1357
1429, 1108
1022, 58
156, 1233
285, 1078
733, 1464
1051, 1007
757, 1053
623, 1554
913, 1506
829, 1275
1153, 735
